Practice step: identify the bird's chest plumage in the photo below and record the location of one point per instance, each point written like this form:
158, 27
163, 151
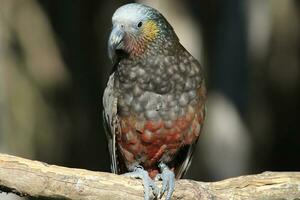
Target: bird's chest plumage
159, 112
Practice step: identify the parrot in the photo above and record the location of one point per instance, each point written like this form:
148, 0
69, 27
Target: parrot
154, 101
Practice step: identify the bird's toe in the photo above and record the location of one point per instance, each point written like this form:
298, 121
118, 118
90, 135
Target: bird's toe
168, 181
151, 191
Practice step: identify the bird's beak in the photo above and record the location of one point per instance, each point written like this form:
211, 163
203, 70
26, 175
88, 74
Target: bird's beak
115, 42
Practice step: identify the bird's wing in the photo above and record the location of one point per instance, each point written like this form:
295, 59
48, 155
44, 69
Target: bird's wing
186, 153
111, 121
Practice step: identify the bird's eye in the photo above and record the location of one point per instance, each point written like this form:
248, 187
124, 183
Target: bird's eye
140, 24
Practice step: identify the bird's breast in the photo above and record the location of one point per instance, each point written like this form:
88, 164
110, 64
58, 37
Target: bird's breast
160, 108
154, 127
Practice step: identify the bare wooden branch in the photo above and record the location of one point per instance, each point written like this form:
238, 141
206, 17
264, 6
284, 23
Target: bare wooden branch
37, 179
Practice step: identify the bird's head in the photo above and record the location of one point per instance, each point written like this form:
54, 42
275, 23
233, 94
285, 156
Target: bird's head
135, 28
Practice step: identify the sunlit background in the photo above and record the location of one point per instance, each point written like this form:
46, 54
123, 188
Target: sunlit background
54, 67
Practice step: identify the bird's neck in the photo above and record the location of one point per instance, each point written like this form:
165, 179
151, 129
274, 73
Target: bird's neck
150, 72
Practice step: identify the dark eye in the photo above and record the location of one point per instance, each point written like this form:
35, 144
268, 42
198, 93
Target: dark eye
140, 24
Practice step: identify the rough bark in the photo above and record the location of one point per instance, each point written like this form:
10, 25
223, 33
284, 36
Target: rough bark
38, 179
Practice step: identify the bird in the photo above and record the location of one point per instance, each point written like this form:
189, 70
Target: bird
154, 101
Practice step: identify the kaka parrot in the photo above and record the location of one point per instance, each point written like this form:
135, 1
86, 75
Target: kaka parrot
154, 102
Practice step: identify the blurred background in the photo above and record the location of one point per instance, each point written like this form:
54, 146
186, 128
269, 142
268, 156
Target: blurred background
54, 68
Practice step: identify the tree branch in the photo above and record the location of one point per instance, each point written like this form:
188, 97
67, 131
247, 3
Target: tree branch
32, 178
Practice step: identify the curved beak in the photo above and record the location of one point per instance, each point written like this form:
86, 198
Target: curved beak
115, 42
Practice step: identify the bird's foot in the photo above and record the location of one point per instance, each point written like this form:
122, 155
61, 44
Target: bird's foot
168, 181
150, 189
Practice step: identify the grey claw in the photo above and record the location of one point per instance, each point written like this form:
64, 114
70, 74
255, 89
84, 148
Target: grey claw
168, 181
149, 185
